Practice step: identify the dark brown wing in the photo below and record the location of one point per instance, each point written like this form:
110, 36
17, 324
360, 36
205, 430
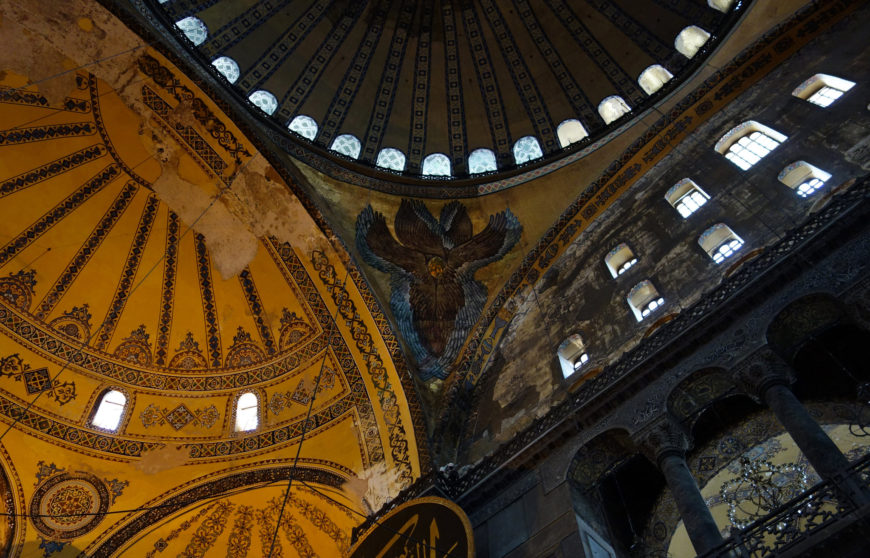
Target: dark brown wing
457, 224
484, 245
381, 250
415, 228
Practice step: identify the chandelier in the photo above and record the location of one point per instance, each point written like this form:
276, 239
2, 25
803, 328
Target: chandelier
759, 488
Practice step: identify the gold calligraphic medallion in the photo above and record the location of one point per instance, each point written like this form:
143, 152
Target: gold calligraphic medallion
427, 527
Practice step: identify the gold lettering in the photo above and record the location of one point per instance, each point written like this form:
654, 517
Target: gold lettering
404, 532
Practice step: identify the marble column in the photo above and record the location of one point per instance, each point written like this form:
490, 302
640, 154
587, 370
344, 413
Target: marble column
767, 379
665, 444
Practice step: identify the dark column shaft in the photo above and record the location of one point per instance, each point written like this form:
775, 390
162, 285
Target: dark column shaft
696, 516
824, 455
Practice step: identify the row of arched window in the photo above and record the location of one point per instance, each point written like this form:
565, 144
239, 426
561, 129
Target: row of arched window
744, 145
110, 408
480, 161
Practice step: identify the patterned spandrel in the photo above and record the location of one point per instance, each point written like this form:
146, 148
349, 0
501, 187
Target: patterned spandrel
481, 160
194, 29
390, 158
264, 100
527, 149
436, 164
228, 67
303, 125
348, 145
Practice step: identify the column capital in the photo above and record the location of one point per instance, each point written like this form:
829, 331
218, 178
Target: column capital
760, 372
661, 438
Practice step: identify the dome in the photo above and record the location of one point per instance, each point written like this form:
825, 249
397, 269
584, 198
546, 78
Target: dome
449, 77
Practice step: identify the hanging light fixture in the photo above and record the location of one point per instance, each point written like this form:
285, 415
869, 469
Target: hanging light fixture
759, 488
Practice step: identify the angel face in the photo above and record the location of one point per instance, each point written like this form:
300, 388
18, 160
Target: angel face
436, 266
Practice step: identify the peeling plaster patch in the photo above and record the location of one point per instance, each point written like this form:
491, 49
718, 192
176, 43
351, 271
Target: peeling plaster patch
231, 244
34, 48
376, 486
260, 198
162, 459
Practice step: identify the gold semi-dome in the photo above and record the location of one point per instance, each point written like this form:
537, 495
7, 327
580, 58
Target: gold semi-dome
555, 278
134, 273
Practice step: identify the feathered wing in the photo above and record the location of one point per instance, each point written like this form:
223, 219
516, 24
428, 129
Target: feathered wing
492, 243
380, 250
456, 223
416, 228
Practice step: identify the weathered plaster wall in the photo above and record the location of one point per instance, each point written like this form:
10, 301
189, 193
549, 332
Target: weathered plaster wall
579, 295
539, 202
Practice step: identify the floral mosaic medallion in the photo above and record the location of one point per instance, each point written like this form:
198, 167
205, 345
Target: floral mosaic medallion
69, 505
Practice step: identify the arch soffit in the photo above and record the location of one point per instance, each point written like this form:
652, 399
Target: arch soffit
802, 318
599, 456
697, 390
215, 484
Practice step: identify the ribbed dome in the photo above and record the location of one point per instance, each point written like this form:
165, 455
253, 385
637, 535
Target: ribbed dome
466, 90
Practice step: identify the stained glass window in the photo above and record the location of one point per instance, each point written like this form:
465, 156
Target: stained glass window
194, 29
264, 100
305, 126
348, 145
390, 158
436, 164
481, 160
527, 149
228, 67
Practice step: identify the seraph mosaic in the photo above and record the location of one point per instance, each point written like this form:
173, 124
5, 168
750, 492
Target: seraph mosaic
434, 297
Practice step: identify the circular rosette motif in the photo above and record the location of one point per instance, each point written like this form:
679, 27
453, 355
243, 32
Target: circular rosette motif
68, 505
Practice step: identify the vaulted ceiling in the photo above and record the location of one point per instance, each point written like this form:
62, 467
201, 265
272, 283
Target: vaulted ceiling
147, 247
447, 77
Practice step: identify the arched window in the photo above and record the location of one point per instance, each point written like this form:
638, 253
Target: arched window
247, 413
803, 178
527, 149
620, 259
690, 40
304, 125
644, 299
110, 410
571, 131
572, 355
436, 164
748, 143
389, 158
228, 67
720, 242
686, 197
347, 144
822, 89
481, 160
721, 5
264, 100
612, 108
194, 29
652, 79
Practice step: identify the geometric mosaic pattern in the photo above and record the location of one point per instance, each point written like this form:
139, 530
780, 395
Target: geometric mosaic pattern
179, 416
